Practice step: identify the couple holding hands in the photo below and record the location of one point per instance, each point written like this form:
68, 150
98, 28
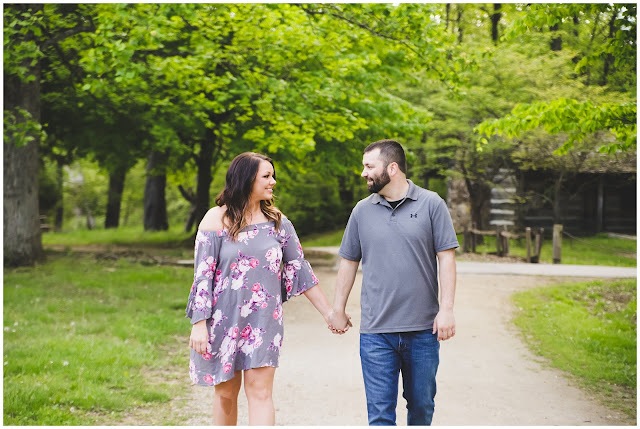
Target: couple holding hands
249, 261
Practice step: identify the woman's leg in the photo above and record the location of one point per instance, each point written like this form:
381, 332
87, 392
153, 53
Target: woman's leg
258, 385
225, 401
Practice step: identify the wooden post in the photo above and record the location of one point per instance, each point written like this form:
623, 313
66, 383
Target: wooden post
498, 242
527, 233
505, 242
538, 246
557, 243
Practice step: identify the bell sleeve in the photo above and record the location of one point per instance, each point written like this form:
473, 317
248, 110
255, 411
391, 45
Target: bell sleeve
206, 254
297, 274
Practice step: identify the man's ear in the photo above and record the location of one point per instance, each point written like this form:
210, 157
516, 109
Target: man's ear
392, 169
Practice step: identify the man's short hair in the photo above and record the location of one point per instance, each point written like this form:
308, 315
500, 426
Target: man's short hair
390, 151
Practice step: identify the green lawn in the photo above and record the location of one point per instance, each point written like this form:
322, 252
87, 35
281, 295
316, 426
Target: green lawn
83, 337
588, 330
133, 236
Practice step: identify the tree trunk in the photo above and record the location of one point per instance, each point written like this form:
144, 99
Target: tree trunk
608, 58
556, 42
459, 23
59, 216
495, 20
479, 196
448, 10
22, 237
200, 204
116, 187
155, 203
557, 199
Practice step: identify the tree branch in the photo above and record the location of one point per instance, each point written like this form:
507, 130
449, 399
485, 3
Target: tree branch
64, 35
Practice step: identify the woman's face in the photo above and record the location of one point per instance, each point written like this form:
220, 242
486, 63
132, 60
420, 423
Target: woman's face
264, 183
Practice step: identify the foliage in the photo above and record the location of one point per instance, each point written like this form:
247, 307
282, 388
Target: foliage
581, 117
83, 337
589, 330
20, 128
578, 119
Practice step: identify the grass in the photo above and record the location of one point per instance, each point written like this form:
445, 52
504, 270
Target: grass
134, 236
327, 239
596, 250
83, 337
588, 330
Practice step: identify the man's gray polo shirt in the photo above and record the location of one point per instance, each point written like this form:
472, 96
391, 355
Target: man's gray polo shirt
398, 251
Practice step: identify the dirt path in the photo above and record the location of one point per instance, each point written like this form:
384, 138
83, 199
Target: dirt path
486, 377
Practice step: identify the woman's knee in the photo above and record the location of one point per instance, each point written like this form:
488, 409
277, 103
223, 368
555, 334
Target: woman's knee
229, 390
258, 383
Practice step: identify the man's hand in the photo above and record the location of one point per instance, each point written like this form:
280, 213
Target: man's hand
199, 337
444, 324
339, 322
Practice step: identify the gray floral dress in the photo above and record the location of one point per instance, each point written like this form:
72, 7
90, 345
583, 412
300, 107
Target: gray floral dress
238, 288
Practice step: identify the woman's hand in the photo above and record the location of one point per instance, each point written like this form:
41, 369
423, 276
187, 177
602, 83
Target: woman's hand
199, 337
338, 318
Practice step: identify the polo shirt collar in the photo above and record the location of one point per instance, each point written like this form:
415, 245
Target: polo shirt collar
412, 194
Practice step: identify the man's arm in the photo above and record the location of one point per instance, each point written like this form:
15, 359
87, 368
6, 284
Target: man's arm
344, 282
444, 323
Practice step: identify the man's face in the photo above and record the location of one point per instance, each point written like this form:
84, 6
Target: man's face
374, 171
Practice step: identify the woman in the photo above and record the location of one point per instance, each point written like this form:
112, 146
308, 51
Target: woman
248, 261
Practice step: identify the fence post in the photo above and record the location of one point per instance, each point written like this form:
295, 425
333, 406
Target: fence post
505, 241
557, 243
498, 242
527, 233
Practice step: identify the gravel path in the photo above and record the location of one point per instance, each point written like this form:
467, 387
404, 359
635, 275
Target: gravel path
487, 376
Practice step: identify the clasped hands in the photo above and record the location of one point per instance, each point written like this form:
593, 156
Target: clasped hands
335, 319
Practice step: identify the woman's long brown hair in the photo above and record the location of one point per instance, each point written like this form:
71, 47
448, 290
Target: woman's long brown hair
241, 176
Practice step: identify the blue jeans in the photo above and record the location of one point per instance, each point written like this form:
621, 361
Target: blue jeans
383, 356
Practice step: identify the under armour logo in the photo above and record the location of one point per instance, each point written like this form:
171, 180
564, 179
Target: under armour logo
414, 215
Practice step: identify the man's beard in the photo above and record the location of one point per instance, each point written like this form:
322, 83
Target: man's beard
379, 182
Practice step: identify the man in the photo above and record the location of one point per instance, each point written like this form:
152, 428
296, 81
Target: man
398, 232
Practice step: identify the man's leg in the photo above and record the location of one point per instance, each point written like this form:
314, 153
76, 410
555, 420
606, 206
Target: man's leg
420, 358
380, 368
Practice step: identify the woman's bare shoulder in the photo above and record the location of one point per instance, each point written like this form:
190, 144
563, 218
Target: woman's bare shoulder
212, 221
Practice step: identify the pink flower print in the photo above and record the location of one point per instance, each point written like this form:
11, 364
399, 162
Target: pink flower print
254, 263
272, 254
276, 344
244, 266
226, 368
207, 356
315, 279
248, 235
246, 332
208, 378
233, 266
300, 253
289, 285
229, 345
193, 373
209, 266
277, 313
251, 341
256, 287
263, 305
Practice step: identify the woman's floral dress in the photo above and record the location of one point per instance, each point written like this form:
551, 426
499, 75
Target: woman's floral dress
238, 288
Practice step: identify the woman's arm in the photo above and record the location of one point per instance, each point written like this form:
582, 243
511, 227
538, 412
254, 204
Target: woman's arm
319, 300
